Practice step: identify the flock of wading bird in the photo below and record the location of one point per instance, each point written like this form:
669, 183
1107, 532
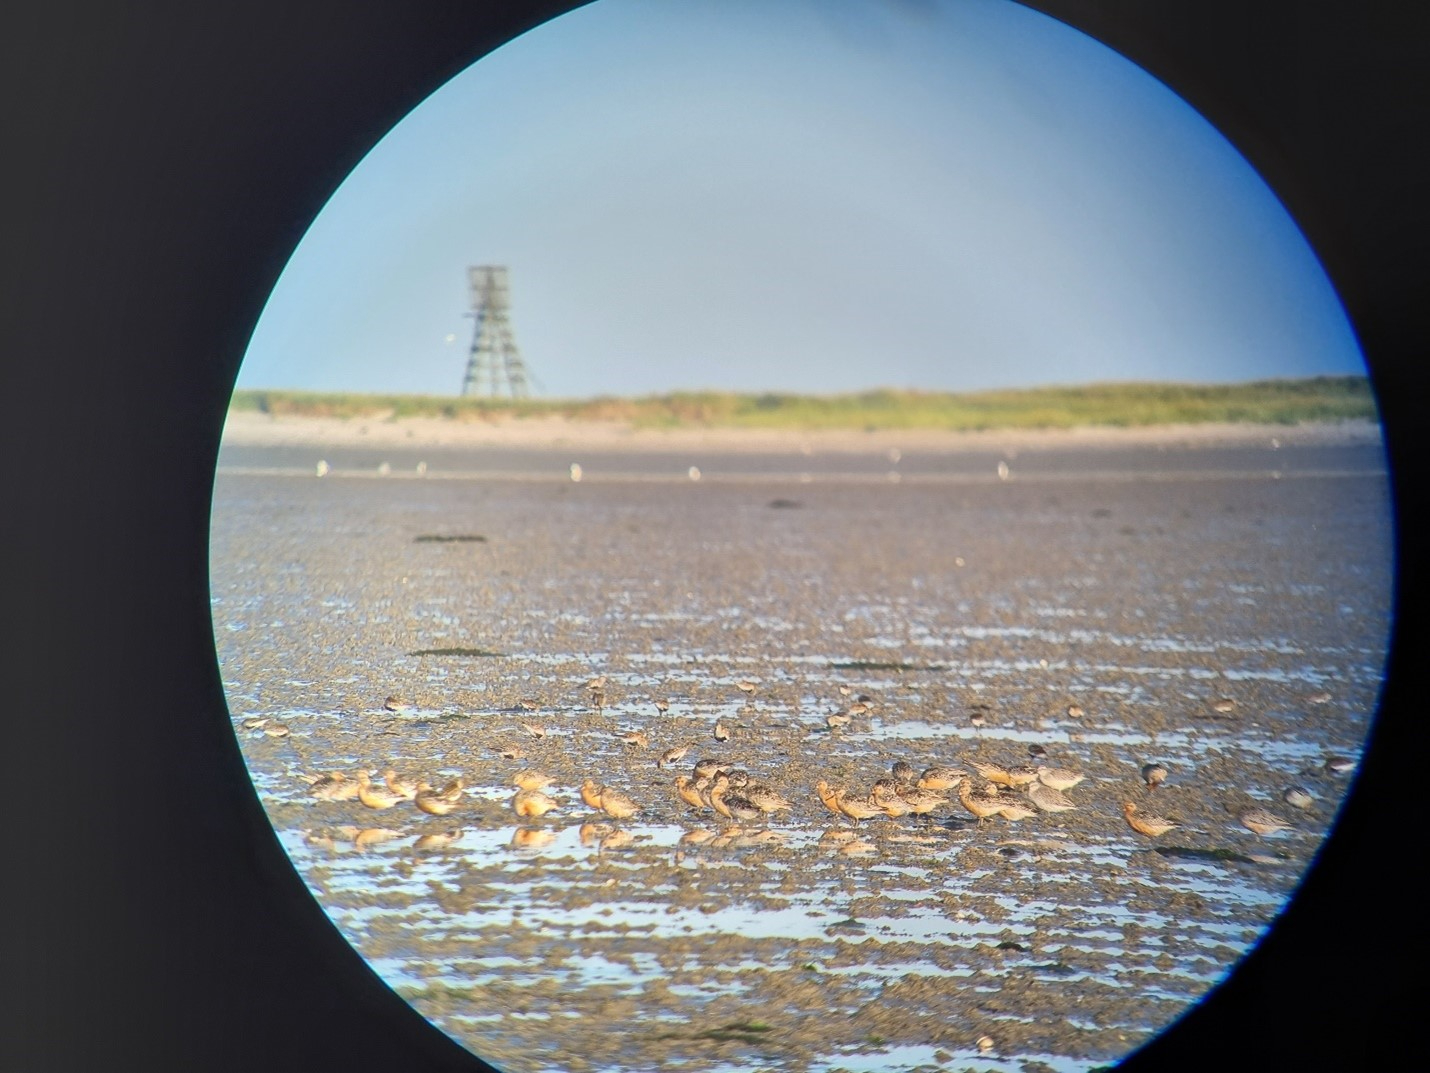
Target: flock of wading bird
1011, 792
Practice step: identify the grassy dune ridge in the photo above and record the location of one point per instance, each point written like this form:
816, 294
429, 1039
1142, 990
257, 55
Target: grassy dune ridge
1275, 402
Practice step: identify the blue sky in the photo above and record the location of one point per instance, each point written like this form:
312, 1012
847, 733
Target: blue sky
803, 195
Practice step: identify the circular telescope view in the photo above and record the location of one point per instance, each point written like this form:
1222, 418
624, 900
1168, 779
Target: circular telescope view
809, 536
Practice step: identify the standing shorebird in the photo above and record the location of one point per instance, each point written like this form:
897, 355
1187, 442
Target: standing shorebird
747, 687
438, 802
1154, 775
1075, 711
638, 739
689, 791
1263, 822
334, 786
1151, 826
1049, 799
374, 796
531, 779
1016, 810
829, 796
395, 703
835, 720
1059, 778
1298, 797
532, 804
662, 707
1223, 705
591, 793
398, 785
940, 778
617, 805
720, 733
597, 684
672, 756
979, 802
855, 809
904, 773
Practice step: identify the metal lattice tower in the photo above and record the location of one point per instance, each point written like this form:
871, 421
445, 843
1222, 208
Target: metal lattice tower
494, 366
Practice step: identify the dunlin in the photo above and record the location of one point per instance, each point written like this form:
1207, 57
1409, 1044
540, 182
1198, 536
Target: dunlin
673, 755
1153, 775
1298, 797
1143, 824
1263, 822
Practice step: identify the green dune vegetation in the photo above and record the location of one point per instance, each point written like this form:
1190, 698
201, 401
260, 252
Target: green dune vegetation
1276, 402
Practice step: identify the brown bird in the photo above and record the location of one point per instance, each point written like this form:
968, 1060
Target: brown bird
903, 772
689, 791
398, 785
747, 687
662, 706
829, 796
531, 779
375, 796
532, 804
638, 739
708, 769
720, 733
591, 793
857, 810
334, 786
835, 720
940, 778
617, 805
980, 803
1151, 826
438, 802
1075, 711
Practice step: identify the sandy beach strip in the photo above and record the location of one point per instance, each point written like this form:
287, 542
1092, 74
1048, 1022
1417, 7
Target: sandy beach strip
249, 429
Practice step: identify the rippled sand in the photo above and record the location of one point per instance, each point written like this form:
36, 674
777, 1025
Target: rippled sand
1065, 938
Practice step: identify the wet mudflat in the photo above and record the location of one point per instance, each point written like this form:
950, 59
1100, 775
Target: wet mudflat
678, 940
